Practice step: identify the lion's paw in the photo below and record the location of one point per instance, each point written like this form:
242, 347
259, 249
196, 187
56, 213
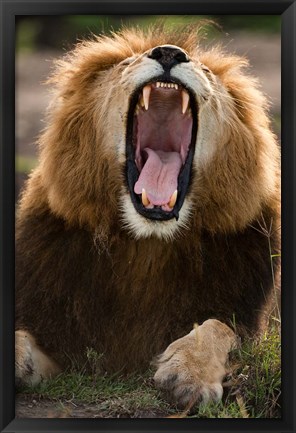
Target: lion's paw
191, 369
24, 366
32, 365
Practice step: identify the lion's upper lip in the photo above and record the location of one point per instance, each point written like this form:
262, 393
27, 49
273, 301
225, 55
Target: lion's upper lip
162, 125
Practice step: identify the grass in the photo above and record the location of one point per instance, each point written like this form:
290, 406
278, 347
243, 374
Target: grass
252, 390
256, 384
112, 396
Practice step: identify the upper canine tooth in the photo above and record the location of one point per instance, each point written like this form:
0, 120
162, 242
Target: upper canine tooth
173, 199
185, 101
146, 96
158, 84
145, 200
176, 86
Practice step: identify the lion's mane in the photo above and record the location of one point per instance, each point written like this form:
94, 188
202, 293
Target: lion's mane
86, 277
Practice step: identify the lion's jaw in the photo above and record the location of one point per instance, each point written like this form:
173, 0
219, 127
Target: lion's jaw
160, 130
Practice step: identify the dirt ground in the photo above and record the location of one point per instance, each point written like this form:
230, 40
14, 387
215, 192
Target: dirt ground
34, 406
32, 98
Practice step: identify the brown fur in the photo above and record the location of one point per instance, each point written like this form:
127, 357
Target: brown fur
82, 280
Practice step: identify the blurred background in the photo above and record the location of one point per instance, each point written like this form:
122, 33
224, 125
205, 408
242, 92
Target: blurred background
41, 39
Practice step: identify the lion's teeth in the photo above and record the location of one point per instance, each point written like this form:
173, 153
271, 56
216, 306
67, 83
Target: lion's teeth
146, 96
185, 101
145, 200
173, 199
166, 85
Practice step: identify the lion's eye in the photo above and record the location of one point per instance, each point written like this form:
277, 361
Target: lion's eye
127, 61
205, 68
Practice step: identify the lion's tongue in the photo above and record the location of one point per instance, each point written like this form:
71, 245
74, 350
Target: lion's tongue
159, 176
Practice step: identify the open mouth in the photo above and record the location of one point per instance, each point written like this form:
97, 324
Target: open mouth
161, 136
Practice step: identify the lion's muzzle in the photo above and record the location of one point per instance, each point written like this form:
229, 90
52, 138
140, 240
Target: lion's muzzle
161, 136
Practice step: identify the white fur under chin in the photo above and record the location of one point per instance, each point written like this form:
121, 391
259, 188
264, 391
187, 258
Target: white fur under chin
138, 72
143, 228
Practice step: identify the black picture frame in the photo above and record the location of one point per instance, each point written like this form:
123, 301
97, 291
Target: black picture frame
9, 10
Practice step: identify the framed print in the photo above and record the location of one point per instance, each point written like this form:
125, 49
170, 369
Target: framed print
147, 216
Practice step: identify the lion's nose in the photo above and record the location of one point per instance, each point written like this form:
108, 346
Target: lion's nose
168, 56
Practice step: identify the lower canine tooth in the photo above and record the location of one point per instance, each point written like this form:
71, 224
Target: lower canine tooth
145, 200
185, 101
173, 199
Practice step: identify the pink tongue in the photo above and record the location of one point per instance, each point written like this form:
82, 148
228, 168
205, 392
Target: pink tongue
159, 176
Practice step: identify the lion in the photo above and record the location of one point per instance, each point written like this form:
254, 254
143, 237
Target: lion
140, 234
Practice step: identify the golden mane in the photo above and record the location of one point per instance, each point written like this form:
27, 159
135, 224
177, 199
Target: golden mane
89, 264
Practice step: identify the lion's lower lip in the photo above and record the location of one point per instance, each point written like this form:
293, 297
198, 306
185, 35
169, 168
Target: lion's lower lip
162, 125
